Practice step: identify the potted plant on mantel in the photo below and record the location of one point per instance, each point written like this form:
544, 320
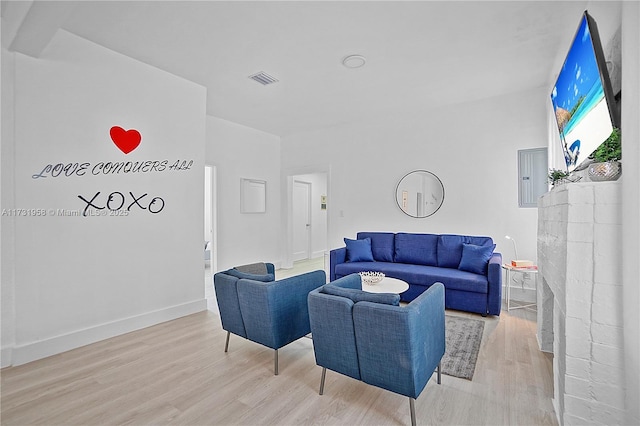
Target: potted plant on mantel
606, 165
556, 176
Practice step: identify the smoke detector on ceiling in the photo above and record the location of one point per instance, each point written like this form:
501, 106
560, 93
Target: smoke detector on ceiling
354, 61
263, 78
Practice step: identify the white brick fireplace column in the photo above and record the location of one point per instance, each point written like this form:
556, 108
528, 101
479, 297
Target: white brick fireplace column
580, 300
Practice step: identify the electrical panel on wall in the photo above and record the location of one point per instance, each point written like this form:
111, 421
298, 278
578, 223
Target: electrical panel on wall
532, 176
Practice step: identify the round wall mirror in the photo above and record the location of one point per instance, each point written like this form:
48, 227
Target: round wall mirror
420, 193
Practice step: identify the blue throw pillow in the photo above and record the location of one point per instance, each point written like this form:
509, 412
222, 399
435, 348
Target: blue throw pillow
382, 245
362, 296
475, 258
244, 275
359, 250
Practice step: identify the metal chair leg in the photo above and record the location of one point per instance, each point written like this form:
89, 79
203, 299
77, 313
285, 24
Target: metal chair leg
275, 362
324, 373
412, 407
439, 373
226, 345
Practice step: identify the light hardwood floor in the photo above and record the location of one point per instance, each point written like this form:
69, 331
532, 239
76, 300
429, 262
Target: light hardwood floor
178, 373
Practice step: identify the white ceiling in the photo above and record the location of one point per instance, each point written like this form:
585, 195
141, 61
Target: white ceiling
420, 54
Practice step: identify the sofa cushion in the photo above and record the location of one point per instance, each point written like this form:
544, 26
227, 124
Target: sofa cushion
382, 244
359, 250
450, 248
475, 258
244, 275
347, 268
417, 249
453, 279
362, 296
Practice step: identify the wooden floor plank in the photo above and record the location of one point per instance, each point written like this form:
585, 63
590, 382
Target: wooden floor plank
178, 373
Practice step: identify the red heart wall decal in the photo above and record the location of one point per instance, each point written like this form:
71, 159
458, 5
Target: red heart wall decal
125, 140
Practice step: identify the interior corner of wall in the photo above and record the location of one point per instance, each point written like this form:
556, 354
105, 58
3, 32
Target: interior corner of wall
6, 357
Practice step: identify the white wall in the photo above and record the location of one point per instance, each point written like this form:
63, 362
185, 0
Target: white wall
79, 279
7, 223
242, 152
472, 148
630, 127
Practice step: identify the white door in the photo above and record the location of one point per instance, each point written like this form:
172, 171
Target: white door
301, 220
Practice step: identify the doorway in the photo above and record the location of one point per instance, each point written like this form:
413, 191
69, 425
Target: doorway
301, 220
210, 229
307, 216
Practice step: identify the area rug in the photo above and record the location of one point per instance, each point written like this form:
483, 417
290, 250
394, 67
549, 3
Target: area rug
463, 338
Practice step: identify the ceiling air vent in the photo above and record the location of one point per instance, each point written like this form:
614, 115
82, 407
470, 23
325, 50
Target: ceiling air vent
263, 78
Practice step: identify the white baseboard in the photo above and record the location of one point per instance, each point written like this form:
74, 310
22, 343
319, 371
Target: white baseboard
18, 355
318, 253
6, 357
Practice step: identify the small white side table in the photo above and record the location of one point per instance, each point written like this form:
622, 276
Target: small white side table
509, 270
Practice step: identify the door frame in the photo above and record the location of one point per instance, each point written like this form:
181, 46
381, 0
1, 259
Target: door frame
213, 208
287, 207
309, 219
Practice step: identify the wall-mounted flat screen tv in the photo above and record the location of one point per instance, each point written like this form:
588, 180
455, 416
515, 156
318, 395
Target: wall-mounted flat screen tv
583, 101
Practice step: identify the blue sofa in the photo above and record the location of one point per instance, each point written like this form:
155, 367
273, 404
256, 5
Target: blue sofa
466, 265
368, 337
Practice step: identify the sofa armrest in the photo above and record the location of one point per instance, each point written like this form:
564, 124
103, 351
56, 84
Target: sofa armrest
336, 256
494, 277
334, 340
271, 269
276, 313
350, 281
226, 289
414, 341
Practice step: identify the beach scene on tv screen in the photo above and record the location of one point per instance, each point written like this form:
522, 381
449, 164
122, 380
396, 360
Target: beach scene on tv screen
579, 102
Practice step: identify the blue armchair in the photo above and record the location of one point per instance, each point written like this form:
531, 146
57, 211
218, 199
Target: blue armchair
260, 309
393, 347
